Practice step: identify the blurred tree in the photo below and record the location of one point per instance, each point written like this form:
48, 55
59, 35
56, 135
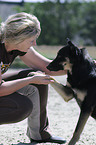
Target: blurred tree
0, 20
88, 30
61, 20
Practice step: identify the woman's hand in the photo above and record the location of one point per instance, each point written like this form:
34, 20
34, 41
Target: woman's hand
40, 78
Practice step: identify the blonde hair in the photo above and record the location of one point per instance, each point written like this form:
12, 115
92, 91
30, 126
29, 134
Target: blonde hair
19, 27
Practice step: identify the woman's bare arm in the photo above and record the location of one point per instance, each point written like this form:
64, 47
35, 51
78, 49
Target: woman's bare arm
35, 60
10, 87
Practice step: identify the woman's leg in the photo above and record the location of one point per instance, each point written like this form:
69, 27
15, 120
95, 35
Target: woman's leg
44, 123
14, 108
38, 119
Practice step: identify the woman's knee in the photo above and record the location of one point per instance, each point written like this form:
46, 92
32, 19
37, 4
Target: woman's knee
43, 90
26, 107
14, 108
43, 95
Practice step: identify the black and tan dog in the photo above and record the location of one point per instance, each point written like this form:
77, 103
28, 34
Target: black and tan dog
81, 82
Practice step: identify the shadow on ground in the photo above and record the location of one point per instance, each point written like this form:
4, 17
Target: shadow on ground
23, 144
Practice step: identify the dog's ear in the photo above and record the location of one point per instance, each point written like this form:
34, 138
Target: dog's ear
72, 46
69, 42
75, 51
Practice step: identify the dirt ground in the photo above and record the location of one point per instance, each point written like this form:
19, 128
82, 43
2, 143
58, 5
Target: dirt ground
63, 118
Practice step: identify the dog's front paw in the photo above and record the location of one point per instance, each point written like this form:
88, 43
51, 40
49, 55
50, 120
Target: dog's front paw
35, 73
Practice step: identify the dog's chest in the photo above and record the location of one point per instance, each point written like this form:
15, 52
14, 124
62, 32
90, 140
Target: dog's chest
80, 94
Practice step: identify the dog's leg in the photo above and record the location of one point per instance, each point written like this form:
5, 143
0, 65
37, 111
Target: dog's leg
80, 126
64, 91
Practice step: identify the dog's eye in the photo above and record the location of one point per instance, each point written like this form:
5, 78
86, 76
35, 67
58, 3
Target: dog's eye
65, 64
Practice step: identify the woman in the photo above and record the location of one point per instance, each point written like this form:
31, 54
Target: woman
23, 94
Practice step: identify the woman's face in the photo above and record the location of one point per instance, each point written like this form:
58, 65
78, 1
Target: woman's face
26, 44
23, 46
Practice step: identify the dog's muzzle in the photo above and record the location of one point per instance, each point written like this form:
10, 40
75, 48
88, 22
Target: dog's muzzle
55, 67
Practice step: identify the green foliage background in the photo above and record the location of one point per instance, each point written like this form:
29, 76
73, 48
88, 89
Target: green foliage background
75, 20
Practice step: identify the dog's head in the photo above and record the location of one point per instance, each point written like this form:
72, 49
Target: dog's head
65, 57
